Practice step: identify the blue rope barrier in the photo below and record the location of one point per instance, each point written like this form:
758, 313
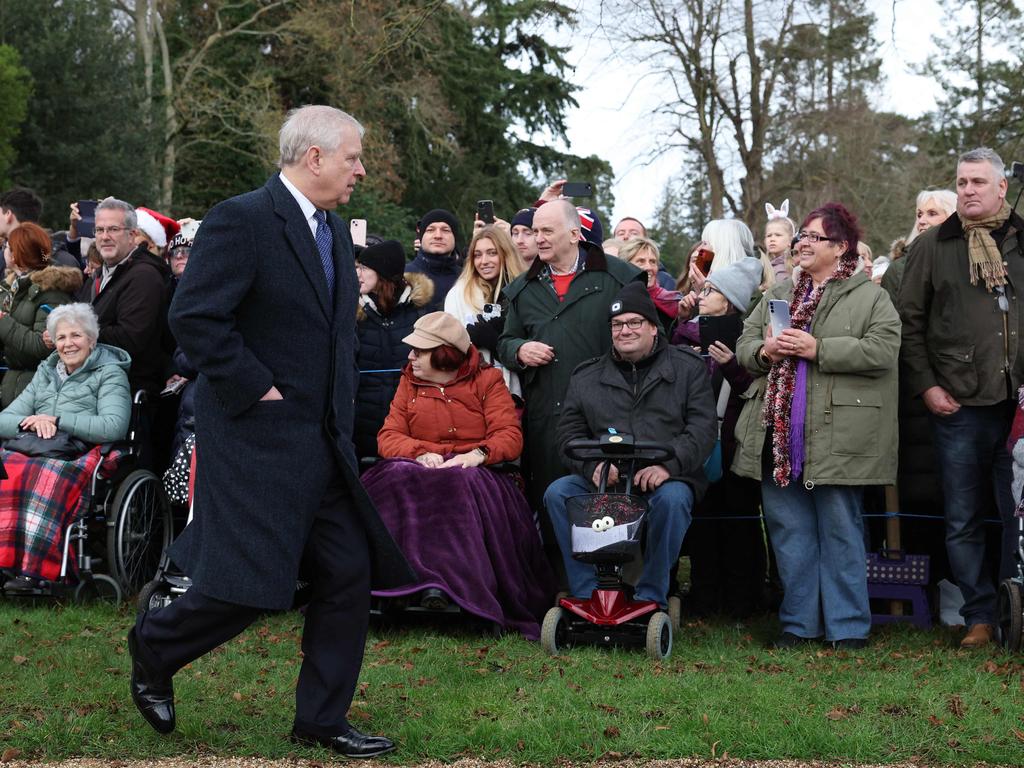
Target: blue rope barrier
939, 518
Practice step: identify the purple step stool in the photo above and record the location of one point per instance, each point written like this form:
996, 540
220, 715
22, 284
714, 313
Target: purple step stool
897, 576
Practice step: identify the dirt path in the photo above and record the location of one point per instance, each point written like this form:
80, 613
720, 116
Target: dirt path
255, 762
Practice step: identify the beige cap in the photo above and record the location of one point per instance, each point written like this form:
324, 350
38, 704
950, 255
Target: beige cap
438, 328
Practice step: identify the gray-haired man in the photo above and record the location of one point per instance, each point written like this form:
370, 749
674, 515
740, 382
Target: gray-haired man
962, 326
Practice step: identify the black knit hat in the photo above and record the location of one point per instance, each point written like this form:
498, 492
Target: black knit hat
523, 217
436, 215
633, 297
386, 258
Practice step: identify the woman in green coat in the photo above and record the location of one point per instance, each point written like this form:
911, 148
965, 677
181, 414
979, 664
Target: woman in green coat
819, 424
33, 288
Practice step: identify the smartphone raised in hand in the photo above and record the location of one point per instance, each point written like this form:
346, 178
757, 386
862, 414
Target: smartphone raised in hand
485, 210
87, 224
357, 228
778, 313
577, 189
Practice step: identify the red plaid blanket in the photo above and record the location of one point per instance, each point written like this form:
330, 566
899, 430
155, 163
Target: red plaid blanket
38, 501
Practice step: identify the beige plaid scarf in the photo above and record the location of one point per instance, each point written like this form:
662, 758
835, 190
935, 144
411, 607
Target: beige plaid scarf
985, 259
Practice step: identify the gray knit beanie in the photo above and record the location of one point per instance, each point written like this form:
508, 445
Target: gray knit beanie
738, 281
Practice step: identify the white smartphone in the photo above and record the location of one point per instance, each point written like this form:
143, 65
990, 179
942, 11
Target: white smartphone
357, 228
778, 312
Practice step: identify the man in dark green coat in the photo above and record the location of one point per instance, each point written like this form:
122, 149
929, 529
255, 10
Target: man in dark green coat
961, 354
558, 317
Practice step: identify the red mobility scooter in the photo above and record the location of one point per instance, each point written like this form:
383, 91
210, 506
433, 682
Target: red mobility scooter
607, 532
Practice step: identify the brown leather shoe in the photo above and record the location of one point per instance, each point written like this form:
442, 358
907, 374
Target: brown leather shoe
978, 635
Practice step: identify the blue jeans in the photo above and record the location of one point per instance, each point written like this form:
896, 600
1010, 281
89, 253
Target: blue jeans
818, 538
975, 465
669, 517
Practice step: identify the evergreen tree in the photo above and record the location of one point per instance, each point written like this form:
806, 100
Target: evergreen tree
15, 87
82, 137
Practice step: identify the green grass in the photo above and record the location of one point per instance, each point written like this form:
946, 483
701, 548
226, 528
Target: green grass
447, 694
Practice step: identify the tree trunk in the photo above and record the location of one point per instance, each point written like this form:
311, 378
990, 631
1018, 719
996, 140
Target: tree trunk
170, 122
144, 38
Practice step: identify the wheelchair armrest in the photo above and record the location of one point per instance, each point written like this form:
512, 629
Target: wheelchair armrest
505, 467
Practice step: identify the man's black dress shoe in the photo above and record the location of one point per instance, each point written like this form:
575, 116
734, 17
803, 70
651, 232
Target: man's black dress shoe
152, 694
349, 744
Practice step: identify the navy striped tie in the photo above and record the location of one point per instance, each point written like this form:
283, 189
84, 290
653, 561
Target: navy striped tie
325, 244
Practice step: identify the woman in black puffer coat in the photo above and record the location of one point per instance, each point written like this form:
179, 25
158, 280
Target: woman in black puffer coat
390, 302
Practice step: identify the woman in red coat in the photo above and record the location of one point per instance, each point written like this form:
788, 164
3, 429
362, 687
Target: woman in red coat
466, 530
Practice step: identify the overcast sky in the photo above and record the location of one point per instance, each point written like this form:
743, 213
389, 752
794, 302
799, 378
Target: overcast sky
612, 120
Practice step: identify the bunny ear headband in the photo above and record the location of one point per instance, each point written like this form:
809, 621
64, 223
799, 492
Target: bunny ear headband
782, 212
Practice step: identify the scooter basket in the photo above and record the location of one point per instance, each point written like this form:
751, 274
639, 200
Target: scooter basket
617, 537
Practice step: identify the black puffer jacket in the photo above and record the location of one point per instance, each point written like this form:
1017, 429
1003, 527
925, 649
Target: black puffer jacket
381, 349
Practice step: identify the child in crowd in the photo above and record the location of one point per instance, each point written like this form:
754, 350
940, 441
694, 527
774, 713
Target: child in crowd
778, 237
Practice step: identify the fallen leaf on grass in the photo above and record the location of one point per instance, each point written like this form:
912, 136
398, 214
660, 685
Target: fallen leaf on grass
611, 732
236, 696
9, 754
955, 705
1019, 734
608, 708
936, 721
837, 713
380, 644
661, 728
19, 660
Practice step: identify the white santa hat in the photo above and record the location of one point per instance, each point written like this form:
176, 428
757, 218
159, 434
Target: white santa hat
151, 227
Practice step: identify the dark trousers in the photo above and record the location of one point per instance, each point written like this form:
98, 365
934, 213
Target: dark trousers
728, 558
975, 465
336, 562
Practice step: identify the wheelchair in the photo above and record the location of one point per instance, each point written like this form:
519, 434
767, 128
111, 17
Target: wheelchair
607, 531
432, 604
118, 538
1010, 611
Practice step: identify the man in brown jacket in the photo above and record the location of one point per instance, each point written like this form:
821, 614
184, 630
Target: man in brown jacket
962, 326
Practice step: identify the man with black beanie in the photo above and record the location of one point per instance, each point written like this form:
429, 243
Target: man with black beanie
439, 257
657, 393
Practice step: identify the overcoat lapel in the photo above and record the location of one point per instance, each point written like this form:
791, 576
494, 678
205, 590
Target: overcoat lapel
301, 240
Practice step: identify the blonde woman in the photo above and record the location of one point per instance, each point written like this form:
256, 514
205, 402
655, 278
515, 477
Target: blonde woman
476, 299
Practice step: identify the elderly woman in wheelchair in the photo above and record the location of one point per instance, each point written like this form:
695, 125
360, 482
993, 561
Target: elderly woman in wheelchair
78, 399
465, 528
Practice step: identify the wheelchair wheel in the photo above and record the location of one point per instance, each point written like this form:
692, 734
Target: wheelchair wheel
139, 528
554, 632
659, 636
155, 594
98, 588
1011, 614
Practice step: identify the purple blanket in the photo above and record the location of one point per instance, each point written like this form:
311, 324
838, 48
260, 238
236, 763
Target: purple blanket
470, 533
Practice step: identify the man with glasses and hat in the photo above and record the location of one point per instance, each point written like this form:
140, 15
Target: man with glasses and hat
657, 393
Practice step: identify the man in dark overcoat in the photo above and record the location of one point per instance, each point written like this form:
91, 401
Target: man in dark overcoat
266, 313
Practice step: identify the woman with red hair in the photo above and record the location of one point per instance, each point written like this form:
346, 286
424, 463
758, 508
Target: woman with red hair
32, 288
819, 424
465, 529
